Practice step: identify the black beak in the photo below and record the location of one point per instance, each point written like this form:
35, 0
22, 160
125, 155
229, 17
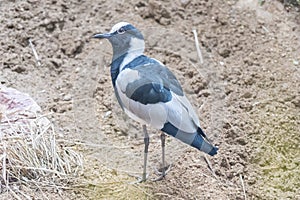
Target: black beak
102, 35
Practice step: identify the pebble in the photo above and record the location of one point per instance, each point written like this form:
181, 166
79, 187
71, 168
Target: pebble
107, 114
241, 141
247, 95
77, 69
205, 93
224, 52
184, 3
67, 97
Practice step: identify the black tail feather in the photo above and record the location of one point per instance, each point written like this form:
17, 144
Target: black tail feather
201, 132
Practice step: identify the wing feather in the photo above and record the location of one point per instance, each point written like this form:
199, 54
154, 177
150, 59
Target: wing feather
151, 94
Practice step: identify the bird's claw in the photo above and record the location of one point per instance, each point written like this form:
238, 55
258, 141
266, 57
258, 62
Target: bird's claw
139, 179
162, 172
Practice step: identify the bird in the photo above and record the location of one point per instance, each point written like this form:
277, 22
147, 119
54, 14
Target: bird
149, 93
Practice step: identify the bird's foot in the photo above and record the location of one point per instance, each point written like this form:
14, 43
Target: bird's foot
140, 179
162, 172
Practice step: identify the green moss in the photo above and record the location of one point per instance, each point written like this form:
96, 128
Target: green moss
277, 154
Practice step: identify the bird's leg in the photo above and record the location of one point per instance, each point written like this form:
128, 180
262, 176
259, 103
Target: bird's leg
146, 141
163, 168
163, 144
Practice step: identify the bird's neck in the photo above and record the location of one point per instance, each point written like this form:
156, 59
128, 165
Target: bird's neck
122, 58
130, 56
135, 49
120, 62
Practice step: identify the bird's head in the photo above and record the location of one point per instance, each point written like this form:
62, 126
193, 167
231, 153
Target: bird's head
124, 38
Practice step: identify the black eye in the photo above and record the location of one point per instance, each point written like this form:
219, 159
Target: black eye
121, 30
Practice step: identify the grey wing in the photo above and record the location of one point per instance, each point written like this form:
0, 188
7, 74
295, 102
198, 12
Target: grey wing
180, 104
153, 85
158, 73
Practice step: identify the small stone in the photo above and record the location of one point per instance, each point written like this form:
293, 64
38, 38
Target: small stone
107, 114
205, 93
241, 141
50, 27
224, 52
247, 95
19, 69
184, 3
67, 97
77, 69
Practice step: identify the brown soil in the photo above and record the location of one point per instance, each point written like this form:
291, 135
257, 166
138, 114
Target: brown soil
246, 92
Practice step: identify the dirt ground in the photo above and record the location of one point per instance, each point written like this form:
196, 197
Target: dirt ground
246, 92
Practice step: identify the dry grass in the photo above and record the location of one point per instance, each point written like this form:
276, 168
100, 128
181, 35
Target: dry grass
31, 157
